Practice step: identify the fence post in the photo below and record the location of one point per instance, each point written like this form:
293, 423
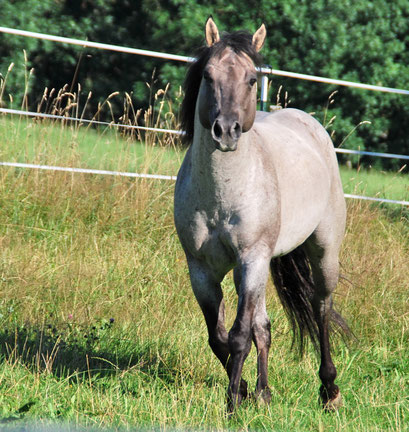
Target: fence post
264, 92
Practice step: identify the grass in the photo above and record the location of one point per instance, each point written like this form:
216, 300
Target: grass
98, 325
45, 143
374, 183
105, 148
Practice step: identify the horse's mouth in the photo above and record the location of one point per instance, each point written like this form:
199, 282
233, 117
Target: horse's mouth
226, 146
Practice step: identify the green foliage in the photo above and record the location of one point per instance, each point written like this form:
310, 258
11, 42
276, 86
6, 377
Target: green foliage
56, 65
352, 40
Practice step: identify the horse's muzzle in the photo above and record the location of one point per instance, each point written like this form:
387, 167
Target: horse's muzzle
226, 147
226, 134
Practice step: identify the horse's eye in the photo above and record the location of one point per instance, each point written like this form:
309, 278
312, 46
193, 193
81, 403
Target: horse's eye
207, 76
252, 81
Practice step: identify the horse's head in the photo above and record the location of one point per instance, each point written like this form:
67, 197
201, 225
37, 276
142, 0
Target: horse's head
228, 91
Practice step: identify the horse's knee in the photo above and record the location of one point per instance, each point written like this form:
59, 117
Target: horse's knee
322, 306
324, 262
239, 340
262, 333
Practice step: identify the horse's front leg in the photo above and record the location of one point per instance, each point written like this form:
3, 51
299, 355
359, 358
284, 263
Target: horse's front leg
261, 334
251, 276
209, 295
262, 340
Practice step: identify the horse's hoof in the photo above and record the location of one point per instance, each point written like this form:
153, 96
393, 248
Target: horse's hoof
334, 403
262, 397
243, 389
233, 402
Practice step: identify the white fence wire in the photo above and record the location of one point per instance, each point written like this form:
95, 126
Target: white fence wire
167, 56
170, 131
264, 70
161, 177
81, 120
88, 171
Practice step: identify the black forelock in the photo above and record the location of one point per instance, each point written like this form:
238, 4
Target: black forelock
239, 42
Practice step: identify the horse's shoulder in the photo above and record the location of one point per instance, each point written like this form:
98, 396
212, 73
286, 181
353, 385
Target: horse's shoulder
186, 165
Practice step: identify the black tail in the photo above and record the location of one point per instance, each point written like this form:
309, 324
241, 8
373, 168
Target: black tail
293, 280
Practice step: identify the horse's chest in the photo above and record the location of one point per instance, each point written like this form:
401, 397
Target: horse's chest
215, 238
219, 234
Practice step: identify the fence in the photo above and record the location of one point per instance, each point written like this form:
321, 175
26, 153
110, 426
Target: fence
264, 83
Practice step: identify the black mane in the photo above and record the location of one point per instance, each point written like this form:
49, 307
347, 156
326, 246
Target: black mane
239, 42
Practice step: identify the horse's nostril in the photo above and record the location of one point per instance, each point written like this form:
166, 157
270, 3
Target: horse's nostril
217, 130
236, 130
224, 130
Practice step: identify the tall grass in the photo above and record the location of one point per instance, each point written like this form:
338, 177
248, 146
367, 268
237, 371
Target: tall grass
375, 183
87, 140
99, 326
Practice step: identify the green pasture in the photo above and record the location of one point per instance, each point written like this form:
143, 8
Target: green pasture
110, 149
98, 325
375, 183
80, 146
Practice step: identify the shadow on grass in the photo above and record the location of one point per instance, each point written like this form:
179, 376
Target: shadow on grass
395, 213
85, 355
87, 352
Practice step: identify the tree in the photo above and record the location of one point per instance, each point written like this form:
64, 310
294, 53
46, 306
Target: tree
353, 40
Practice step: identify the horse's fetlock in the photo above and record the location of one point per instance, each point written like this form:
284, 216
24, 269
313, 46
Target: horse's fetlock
327, 374
262, 396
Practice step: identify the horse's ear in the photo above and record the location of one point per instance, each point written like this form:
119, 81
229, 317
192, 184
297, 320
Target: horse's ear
212, 34
259, 37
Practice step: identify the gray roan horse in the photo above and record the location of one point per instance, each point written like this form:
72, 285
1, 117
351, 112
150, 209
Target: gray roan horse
257, 191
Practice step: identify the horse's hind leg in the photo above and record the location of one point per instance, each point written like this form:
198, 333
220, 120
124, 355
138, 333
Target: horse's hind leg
325, 270
209, 295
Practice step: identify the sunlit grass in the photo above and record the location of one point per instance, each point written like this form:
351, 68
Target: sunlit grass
99, 327
375, 183
44, 143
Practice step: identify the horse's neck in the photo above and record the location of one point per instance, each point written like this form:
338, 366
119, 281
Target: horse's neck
216, 172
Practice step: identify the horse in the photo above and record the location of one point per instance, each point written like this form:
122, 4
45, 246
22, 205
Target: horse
258, 193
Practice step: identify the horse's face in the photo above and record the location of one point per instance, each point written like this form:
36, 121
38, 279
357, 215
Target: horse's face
228, 92
227, 98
